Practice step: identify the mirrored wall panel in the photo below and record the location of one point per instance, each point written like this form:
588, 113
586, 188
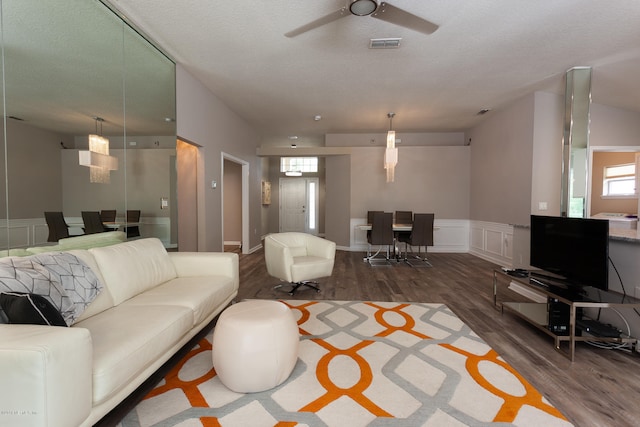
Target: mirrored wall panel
88, 120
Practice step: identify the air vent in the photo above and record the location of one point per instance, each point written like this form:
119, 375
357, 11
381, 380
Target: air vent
392, 43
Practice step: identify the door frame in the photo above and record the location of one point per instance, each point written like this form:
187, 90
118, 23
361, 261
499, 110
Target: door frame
245, 199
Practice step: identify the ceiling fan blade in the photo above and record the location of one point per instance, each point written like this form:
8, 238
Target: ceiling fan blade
319, 22
394, 15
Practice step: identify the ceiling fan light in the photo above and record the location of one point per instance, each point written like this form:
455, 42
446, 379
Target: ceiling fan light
363, 7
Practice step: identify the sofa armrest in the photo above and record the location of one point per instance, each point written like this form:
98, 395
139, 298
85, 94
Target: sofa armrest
317, 246
192, 264
46, 374
278, 258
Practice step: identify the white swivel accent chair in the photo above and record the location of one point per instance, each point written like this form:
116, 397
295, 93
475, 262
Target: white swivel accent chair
299, 258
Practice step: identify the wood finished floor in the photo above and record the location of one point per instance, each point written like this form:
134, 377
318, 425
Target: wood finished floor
600, 388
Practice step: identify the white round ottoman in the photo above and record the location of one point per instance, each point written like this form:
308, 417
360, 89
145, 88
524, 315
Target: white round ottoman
255, 345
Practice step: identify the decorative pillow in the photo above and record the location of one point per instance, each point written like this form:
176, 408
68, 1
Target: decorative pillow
79, 283
24, 308
60, 277
23, 274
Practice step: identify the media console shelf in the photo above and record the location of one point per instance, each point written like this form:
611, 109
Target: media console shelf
537, 313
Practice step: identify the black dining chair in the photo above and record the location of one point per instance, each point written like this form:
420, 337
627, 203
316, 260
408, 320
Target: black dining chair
108, 215
133, 216
405, 218
421, 235
92, 222
58, 228
381, 235
370, 221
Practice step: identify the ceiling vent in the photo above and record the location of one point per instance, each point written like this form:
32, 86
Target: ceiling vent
389, 43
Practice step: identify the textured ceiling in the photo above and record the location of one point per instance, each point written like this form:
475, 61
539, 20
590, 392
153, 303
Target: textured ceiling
485, 54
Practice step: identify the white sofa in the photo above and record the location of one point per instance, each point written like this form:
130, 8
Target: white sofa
152, 304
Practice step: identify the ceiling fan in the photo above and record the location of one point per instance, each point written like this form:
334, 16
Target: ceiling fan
383, 11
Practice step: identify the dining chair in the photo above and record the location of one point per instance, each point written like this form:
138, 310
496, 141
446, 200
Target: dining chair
381, 235
421, 235
132, 230
403, 217
370, 221
92, 222
108, 215
58, 228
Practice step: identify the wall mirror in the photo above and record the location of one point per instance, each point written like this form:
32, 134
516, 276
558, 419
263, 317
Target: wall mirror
66, 64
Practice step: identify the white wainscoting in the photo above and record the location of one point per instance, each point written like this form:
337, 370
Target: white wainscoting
23, 233
492, 241
449, 235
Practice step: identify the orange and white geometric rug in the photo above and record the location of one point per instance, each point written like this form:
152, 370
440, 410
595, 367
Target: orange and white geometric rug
360, 364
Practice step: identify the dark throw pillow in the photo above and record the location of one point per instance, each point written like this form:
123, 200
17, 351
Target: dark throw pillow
25, 308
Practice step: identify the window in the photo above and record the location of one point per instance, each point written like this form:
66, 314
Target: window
619, 180
299, 164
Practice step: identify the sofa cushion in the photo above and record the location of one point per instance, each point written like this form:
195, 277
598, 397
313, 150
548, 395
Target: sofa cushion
133, 267
203, 295
25, 308
128, 338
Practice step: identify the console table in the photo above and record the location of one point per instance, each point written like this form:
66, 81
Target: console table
537, 314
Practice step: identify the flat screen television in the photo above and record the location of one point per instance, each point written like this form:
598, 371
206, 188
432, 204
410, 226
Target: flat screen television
574, 249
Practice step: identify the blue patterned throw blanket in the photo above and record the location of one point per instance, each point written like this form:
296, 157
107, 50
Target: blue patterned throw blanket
60, 277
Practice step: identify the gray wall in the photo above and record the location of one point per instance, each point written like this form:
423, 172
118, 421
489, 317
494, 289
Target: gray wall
338, 199
203, 119
34, 170
427, 179
501, 165
147, 180
232, 201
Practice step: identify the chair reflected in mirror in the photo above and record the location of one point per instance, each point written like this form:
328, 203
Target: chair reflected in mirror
421, 235
381, 235
92, 222
133, 216
108, 215
58, 228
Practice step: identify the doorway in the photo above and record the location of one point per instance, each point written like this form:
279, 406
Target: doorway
235, 192
299, 209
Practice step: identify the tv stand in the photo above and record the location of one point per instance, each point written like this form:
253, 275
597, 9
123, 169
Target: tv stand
560, 301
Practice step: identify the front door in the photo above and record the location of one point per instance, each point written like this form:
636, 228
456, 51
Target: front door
299, 205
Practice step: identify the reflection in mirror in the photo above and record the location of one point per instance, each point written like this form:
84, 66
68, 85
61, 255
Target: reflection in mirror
66, 63
575, 142
613, 192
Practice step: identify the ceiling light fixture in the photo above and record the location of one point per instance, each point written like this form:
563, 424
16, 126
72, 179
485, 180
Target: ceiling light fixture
391, 152
97, 158
363, 7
